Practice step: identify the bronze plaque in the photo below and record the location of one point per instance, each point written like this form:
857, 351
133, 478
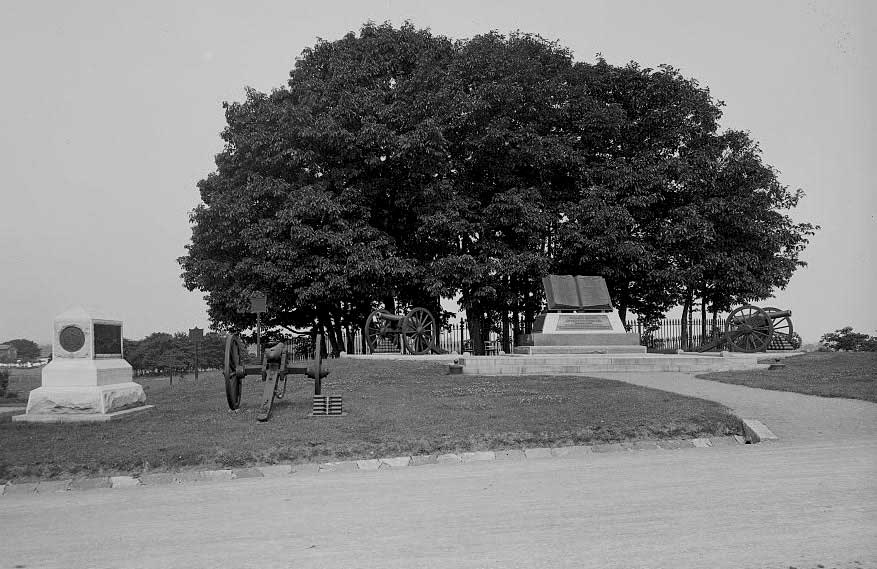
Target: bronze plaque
107, 339
583, 322
71, 338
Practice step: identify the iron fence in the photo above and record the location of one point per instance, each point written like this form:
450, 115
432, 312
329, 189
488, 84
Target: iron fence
451, 338
662, 335
666, 334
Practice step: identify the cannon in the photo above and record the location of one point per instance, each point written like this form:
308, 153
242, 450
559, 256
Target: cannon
752, 329
416, 329
275, 366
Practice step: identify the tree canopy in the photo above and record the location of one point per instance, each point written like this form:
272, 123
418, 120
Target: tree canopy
162, 352
397, 167
846, 339
27, 350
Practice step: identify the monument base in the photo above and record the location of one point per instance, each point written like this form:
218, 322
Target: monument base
85, 400
64, 372
579, 343
81, 417
592, 349
581, 339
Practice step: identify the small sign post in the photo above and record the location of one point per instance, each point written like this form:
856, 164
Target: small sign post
258, 304
195, 336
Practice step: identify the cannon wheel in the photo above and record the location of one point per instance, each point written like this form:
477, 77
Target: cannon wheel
375, 325
782, 326
232, 371
749, 329
418, 331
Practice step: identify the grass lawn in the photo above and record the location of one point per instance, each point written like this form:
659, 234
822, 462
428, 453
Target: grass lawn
827, 374
393, 408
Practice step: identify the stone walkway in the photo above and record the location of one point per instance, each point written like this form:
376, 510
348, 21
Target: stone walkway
793, 417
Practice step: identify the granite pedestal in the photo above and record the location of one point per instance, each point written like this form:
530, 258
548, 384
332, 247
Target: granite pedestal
579, 319
87, 379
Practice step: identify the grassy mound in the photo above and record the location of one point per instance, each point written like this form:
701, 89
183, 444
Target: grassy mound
393, 408
827, 374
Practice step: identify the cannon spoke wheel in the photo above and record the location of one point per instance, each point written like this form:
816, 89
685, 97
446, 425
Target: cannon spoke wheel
375, 330
419, 331
749, 328
782, 328
233, 371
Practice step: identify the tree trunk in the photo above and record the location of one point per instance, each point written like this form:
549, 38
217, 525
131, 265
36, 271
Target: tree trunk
329, 330
516, 310
714, 332
505, 331
703, 331
486, 325
474, 321
686, 310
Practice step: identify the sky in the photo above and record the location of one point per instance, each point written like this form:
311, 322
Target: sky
110, 113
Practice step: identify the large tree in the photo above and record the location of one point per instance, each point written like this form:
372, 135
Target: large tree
317, 196
397, 167
513, 111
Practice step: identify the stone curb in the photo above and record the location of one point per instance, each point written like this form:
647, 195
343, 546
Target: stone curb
609, 447
578, 451
395, 462
248, 473
52, 486
514, 454
421, 459
275, 470
755, 432
124, 482
537, 453
478, 456
91, 483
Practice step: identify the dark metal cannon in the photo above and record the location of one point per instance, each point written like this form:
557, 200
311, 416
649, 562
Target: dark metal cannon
752, 329
416, 331
275, 366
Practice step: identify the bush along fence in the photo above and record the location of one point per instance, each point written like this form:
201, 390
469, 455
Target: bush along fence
665, 335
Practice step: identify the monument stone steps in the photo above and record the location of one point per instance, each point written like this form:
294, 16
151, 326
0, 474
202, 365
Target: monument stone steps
582, 364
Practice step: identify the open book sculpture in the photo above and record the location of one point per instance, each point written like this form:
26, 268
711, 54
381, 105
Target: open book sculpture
579, 319
566, 292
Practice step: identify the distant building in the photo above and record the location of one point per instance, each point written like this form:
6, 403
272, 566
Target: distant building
8, 353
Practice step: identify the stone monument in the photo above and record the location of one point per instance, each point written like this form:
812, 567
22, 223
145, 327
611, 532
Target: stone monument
87, 379
580, 319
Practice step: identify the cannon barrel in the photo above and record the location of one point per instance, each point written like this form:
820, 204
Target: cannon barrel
774, 315
392, 317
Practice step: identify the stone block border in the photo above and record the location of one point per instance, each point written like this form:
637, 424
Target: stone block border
758, 432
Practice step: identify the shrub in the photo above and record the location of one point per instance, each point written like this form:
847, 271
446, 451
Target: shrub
4, 382
847, 340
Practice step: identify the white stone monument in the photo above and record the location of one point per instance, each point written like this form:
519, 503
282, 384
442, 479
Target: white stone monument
580, 319
87, 379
